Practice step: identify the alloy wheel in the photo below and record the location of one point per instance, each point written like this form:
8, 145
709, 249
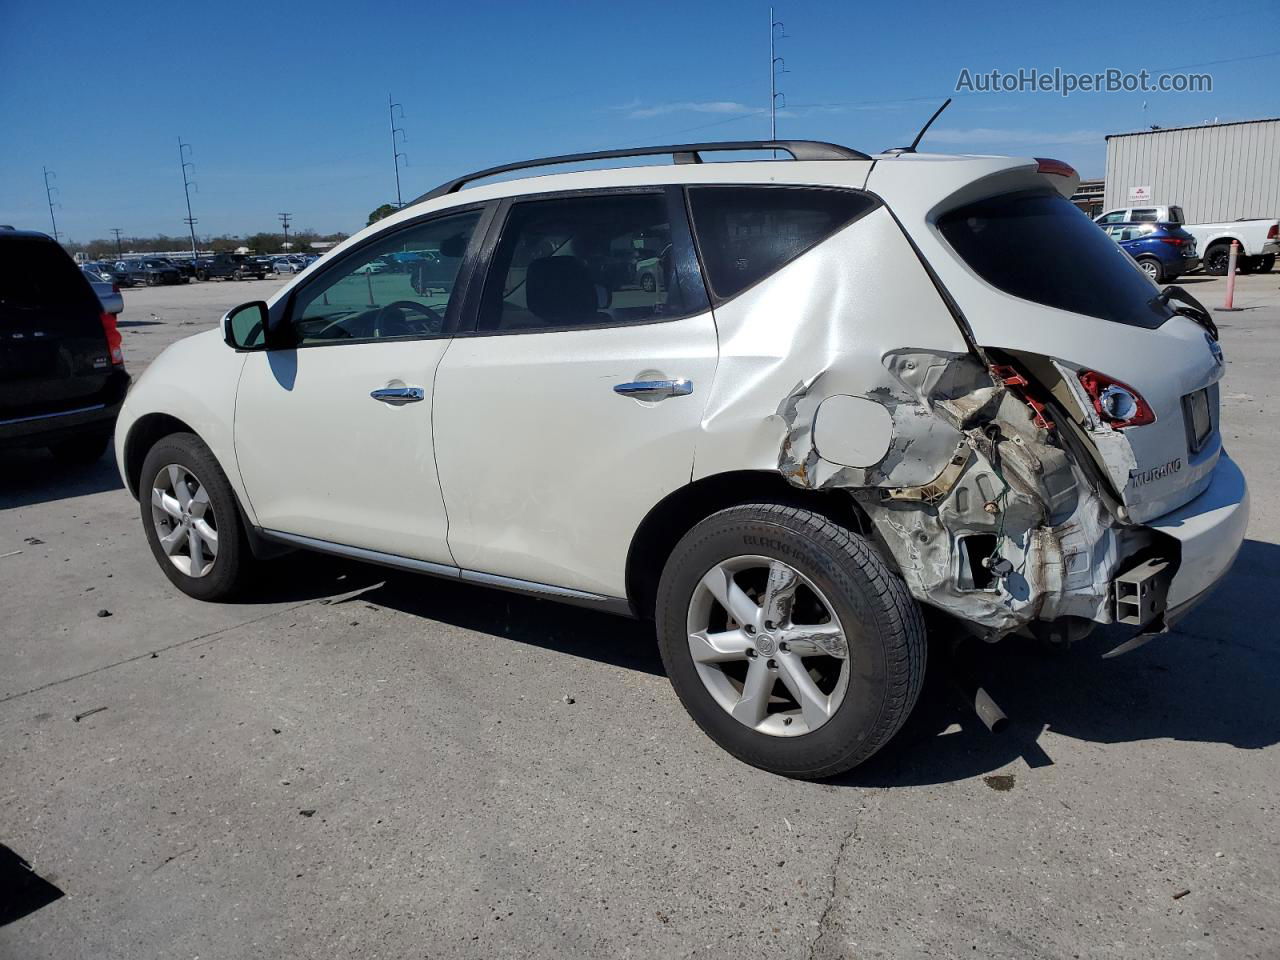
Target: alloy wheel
184, 520
768, 646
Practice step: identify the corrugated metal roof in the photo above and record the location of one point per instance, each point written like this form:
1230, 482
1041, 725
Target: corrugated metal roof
1198, 126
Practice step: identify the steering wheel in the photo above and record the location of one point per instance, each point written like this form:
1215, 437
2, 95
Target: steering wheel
393, 314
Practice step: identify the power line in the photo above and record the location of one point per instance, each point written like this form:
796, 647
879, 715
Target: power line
48, 195
116, 231
396, 155
187, 184
284, 222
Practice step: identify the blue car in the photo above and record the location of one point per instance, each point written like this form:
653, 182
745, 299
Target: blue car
1164, 251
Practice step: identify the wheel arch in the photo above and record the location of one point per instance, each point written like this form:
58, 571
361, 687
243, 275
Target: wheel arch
144, 434
677, 513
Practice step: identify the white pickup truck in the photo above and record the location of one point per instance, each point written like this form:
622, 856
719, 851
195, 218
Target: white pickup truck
1259, 239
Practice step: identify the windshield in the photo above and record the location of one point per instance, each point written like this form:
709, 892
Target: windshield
1040, 247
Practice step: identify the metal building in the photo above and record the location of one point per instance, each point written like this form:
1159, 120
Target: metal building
1221, 171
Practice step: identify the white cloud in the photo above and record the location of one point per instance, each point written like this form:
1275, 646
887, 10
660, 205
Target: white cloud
636, 111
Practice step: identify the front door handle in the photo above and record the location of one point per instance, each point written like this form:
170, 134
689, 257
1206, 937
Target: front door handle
399, 396
654, 389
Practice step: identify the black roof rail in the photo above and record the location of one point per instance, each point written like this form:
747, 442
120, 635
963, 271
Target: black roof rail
680, 152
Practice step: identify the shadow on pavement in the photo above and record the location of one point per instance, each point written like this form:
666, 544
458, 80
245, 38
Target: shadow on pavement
32, 476
22, 890
1212, 680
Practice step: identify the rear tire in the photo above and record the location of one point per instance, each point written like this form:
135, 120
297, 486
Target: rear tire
1265, 263
186, 499
1216, 259
854, 594
1152, 268
80, 452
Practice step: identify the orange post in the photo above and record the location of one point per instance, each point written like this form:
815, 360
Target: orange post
1231, 275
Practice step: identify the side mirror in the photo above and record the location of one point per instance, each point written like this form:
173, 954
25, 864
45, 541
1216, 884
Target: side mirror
245, 327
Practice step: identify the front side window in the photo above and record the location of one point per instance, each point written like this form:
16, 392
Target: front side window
589, 261
746, 233
1007, 240
1115, 216
398, 286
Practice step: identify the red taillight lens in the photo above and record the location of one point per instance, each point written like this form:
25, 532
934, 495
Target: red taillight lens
1173, 241
115, 288
113, 339
1274, 232
1116, 403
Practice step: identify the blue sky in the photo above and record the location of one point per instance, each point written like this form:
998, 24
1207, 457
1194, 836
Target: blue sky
285, 103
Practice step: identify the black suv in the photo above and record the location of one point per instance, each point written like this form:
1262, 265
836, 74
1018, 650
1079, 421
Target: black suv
62, 376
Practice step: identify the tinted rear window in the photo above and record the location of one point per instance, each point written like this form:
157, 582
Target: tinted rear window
39, 273
746, 233
1039, 247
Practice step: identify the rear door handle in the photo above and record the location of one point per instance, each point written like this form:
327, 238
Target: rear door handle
654, 389
399, 396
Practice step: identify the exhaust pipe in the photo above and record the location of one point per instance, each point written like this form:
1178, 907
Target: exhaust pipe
976, 697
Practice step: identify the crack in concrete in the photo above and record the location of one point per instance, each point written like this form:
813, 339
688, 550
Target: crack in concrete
823, 929
146, 655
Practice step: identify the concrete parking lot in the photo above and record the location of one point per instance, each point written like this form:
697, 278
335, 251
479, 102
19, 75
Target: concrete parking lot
353, 763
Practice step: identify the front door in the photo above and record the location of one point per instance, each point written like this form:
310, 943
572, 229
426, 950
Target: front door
572, 407
333, 431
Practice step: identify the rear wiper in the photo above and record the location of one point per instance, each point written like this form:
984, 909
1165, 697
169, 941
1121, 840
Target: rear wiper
1191, 308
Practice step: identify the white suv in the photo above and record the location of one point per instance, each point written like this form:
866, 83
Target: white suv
863, 386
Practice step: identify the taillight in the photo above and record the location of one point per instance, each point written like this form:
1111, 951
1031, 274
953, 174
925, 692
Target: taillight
1173, 241
113, 339
1274, 232
1116, 403
115, 288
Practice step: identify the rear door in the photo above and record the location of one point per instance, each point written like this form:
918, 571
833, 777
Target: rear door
572, 406
53, 350
1095, 312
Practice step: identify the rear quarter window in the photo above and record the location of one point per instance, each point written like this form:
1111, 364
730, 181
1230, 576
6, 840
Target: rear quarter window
746, 233
1040, 247
35, 272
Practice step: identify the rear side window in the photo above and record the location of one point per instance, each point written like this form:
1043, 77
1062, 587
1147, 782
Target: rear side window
597, 260
1039, 247
1175, 215
746, 233
38, 273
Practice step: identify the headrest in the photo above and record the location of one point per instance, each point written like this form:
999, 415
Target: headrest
561, 291
453, 247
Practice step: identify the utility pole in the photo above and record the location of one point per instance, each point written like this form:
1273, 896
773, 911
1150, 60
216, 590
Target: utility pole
187, 184
116, 231
48, 194
396, 155
777, 66
284, 222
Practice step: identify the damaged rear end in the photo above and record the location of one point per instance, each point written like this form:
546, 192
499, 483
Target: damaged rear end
1088, 483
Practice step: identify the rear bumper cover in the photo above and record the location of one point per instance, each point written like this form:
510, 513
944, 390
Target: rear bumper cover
1209, 530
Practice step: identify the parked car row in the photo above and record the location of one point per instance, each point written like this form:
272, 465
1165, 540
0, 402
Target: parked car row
1165, 245
158, 271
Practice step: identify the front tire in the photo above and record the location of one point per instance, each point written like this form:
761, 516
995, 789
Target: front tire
191, 519
788, 639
